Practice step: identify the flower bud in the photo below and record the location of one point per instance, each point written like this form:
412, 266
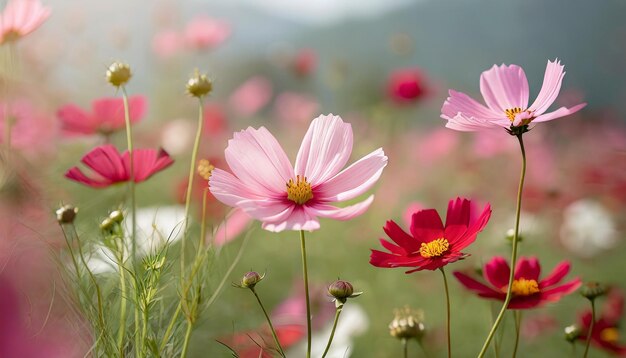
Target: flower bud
117, 216
199, 85
407, 324
572, 333
66, 214
340, 289
510, 235
118, 74
205, 168
107, 225
250, 279
591, 290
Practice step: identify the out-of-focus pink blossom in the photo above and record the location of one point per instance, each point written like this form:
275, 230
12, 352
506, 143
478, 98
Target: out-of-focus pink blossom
106, 117
295, 108
304, 62
215, 121
203, 32
251, 96
406, 85
20, 18
231, 227
268, 188
31, 131
110, 167
505, 91
167, 43
436, 145
411, 209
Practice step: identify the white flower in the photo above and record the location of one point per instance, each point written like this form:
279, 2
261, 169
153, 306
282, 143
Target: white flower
588, 228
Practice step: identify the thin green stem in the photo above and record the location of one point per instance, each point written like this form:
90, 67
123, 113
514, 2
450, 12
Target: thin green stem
306, 292
332, 332
445, 285
593, 322
496, 343
183, 354
509, 288
131, 182
405, 347
192, 171
170, 326
518, 323
269, 321
121, 332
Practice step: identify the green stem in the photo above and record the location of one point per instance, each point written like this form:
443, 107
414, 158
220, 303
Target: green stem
332, 332
269, 321
496, 344
405, 348
192, 171
306, 292
183, 354
131, 182
445, 284
593, 322
170, 326
518, 323
120, 337
509, 294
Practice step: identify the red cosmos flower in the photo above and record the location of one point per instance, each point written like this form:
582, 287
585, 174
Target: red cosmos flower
406, 85
106, 117
111, 167
528, 290
431, 245
605, 332
305, 62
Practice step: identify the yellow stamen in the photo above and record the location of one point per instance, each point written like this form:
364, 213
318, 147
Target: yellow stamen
299, 191
523, 287
205, 168
510, 113
434, 248
610, 335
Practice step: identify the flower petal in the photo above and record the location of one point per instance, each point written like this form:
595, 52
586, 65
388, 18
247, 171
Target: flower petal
426, 225
497, 272
472, 231
477, 287
555, 294
550, 88
346, 213
256, 158
556, 275
106, 161
298, 219
527, 268
459, 102
458, 212
354, 180
504, 87
400, 237
229, 189
561, 112
75, 121
77, 175
325, 149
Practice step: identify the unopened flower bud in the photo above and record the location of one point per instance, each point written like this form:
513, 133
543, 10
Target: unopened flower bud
118, 74
510, 235
340, 289
66, 214
572, 333
250, 279
199, 85
591, 290
117, 216
107, 225
205, 168
407, 324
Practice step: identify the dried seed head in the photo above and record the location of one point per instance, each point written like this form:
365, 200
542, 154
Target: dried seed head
199, 85
118, 74
66, 214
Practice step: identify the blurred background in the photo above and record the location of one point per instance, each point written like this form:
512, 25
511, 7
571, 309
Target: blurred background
385, 67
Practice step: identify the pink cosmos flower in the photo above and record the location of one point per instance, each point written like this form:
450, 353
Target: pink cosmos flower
32, 132
505, 91
251, 96
431, 245
167, 43
20, 18
528, 290
267, 187
292, 108
606, 334
304, 62
106, 117
406, 85
203, 32
110, 167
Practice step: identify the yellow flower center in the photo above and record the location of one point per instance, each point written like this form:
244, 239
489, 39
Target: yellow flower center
205, 168
523, 287
299, 191
510, 113
434, 248
609, 335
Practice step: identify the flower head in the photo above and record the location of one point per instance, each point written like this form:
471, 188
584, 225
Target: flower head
118, 74
106, 117
505, 91
203, 32
20, 18
605, 334
407, 324
431, 245
406, 85
110, 167
268, 188
528, 290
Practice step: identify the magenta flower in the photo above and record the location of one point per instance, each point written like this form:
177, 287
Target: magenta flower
110, 167
431, 245
20, 18
203, 32
528, 290
505, 91
106, 117
267, 187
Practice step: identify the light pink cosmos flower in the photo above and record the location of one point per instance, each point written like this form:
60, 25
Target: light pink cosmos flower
251, 96
20, 18
505, 91
267, 187
167, 43
106, 117
110, 167
203, 32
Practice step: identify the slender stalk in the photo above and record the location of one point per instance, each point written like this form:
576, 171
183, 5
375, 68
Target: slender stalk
121, 332
518, 210
192, 171
131, 182
306, 292
405, 348
183, 354
269, 321
332, 332
445, 285
518, 323
593, 322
